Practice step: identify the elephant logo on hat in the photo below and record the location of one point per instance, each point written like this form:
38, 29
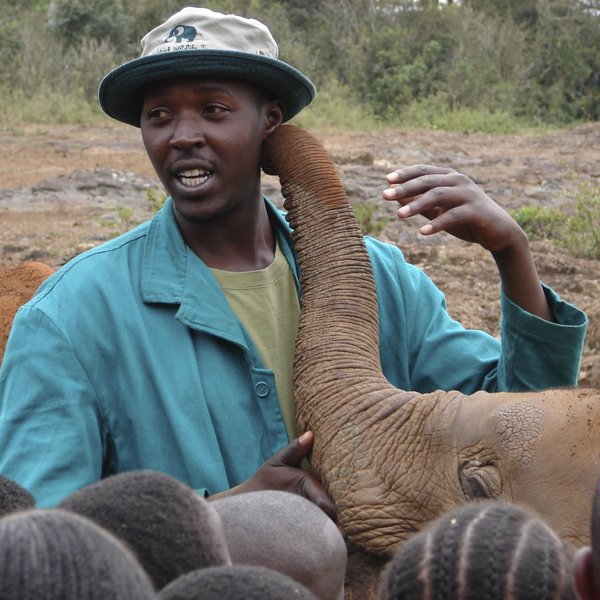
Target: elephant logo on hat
181, 33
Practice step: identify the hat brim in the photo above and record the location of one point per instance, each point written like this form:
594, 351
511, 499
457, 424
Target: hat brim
121, 91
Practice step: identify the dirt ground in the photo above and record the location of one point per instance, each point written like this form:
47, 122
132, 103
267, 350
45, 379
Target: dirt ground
66, 189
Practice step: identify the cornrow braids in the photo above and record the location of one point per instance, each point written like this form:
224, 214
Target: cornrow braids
481, 551
595, 535
50, 554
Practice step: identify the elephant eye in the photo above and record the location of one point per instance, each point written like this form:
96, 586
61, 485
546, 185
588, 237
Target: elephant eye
480, 480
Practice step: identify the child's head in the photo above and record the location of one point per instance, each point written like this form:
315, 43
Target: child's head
169, 528
484, 550
254, 532
14, 497
235, 582
56, 555
586, 566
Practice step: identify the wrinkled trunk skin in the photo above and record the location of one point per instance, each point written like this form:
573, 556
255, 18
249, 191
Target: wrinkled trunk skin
393, 460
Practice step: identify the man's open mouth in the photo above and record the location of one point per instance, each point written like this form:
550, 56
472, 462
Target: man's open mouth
193, 177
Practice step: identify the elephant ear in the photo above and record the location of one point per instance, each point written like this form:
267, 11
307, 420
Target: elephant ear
480, 480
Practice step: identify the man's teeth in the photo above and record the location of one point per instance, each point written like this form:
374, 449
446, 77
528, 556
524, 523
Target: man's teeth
193, 177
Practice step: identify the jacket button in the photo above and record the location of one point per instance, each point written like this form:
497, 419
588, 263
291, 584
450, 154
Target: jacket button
262, 389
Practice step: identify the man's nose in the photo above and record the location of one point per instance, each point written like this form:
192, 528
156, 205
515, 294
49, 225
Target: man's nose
187, 131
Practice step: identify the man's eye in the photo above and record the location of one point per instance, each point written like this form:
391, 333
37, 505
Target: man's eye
213, 109
158, 113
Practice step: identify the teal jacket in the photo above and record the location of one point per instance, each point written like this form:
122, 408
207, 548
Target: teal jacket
129, 357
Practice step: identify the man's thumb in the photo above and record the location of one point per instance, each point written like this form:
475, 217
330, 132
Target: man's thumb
297, 451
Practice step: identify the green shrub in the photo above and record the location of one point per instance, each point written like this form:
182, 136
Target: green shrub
47, 106
575, 227
336, 109
156, 198
121, 221
369, 223
466, 65
581, 236
539, 222
10, 47
436, 112
76, 21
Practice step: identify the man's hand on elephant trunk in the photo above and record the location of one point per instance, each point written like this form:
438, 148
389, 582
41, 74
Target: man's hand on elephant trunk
283, 472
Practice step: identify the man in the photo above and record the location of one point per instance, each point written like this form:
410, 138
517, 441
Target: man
170, 347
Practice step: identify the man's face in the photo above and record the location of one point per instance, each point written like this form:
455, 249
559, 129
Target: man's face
203, 137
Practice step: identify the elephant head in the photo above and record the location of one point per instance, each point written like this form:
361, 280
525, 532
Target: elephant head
393, 460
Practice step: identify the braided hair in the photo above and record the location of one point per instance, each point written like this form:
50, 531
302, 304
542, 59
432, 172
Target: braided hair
483, 550
51, 554
595, 535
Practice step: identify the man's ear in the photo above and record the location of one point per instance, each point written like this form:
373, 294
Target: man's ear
583, 574
274, 116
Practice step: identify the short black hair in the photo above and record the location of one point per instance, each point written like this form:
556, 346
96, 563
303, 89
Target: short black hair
235, 582
168, 526
14, 497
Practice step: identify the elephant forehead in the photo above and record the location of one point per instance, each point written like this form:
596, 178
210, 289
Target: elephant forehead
518, 428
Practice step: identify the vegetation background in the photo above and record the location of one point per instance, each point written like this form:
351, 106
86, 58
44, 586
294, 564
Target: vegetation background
475, 65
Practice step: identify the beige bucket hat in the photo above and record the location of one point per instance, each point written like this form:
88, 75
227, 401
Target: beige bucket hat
201, 42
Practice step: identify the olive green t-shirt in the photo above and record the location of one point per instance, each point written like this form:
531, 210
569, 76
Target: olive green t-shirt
266, 303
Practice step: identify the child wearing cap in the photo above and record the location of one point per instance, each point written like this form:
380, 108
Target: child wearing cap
170, 347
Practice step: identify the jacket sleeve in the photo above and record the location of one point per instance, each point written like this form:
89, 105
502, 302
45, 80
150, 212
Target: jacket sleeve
51, 433
424, 349
537, 354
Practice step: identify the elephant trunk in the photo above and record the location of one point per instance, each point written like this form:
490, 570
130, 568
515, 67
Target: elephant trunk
338, 335
339, 389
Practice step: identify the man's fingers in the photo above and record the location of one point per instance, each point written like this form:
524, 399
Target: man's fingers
296, 452
401, 175
313, 490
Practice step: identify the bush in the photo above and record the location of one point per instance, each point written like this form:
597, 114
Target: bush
435, 112
10, 47
77, 21
369, 223
539, 222
156, 198
576, 227
47, 106
469, 66
335, 108
581, 235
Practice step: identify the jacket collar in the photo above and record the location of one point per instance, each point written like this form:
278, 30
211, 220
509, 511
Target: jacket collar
173, 274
